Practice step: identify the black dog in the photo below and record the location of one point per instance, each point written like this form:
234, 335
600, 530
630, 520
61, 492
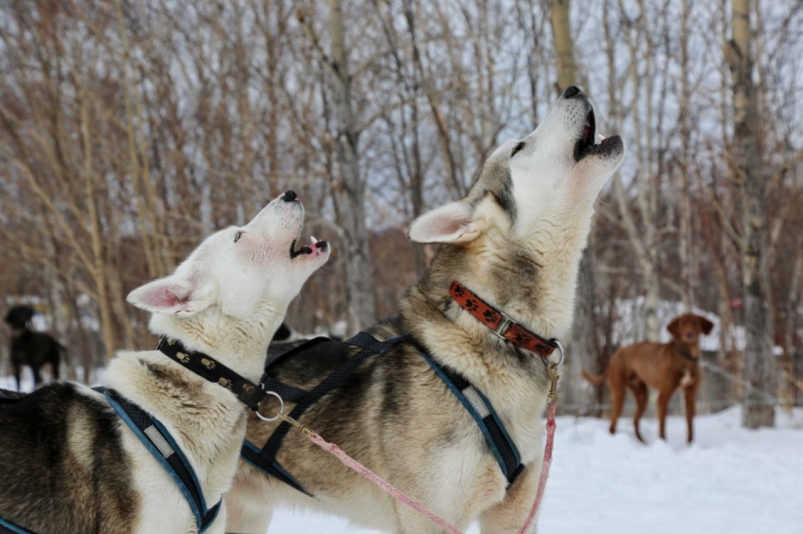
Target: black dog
33, 349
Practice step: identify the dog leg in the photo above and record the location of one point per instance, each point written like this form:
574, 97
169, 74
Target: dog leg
663, 401
54, 360
690, 394
639, 390
508, 516
617, 402
17, 371
37, 376
249, 507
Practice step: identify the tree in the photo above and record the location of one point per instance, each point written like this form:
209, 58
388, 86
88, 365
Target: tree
747, 175
584, 328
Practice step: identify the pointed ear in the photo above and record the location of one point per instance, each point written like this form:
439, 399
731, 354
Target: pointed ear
706, 325
452, 223
673, 327
173, 295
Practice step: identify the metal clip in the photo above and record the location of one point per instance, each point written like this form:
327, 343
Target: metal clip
552, 371
295, 424
503, 326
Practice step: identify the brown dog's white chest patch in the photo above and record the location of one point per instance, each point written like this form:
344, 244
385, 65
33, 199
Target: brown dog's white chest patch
686, 381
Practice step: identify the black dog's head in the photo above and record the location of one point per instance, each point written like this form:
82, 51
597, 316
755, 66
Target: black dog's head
18, 317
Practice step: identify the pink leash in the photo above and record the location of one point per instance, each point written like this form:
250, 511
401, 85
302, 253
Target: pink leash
397, 494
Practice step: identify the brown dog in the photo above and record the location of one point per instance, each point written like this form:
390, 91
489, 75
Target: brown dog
664, 367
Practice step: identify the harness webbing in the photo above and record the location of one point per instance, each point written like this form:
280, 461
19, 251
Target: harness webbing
158, 441
265, 459
483, 413
480, 408
7, 527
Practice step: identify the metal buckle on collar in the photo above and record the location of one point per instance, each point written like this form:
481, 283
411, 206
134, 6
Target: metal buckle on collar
503, 327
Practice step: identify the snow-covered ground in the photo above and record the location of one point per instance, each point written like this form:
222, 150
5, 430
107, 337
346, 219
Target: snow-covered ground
730, 481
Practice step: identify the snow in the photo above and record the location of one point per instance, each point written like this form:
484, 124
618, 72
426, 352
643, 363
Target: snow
731, 480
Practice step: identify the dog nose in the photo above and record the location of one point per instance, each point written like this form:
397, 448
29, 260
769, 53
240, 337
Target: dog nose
289, 196
571, 91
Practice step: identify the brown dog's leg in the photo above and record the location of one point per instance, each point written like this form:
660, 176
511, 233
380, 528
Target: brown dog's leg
617, 402
663, 401
639, 390
690, 393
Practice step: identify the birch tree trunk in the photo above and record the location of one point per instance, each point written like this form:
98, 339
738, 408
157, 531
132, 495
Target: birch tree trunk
583, 338
349, 194
686, 271
759, 362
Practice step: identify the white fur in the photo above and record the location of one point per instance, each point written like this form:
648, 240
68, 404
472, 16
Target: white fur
553, 196
226, 300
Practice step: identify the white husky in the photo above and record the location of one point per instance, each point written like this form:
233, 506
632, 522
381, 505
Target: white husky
226, 301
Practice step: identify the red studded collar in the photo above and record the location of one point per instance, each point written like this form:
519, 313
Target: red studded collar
502, 325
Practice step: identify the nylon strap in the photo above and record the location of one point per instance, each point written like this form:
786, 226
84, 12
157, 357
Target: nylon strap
7, 527
158, 441
483, 413
212, 370
480, 408
265, 459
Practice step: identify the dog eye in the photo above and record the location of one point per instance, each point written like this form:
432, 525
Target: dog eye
237, 236
517, 149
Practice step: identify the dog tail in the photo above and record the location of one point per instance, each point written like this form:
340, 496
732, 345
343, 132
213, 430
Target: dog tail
595, 379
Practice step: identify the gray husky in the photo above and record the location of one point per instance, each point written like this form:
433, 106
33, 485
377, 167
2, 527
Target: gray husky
515, 241
70, 465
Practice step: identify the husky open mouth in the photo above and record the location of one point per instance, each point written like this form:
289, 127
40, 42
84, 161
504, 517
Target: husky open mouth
585, 145
307, 249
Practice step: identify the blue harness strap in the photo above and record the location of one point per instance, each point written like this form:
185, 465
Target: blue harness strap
7, 527
265, 459
480, 408
158, 441
155, 437
483, 413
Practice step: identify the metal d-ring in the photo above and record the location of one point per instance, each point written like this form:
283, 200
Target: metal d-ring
562, 352
281, 407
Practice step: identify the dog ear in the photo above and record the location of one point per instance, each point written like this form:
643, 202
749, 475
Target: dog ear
674, 327
452, 223
173, 295
706, 324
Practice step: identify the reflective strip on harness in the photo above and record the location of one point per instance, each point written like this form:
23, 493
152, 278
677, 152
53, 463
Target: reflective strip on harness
158, 441
143, 425
503, 448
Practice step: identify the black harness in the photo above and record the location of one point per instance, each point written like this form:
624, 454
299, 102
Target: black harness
472, 399
155, 437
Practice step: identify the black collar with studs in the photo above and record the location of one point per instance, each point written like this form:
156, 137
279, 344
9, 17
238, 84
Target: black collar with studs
212, 370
